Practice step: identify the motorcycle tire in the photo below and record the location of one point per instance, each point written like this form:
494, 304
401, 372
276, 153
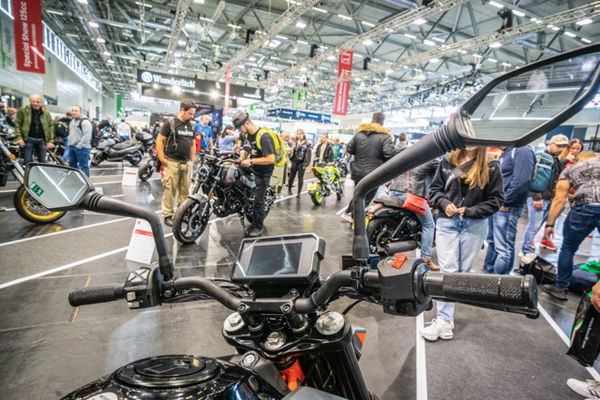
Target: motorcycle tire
32, 211
340, 190
145, 171
317, 198
379, 233
97, 159
188, 221
135, 159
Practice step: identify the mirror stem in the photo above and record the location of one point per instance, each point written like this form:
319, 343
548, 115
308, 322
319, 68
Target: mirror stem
94, 201
443, 140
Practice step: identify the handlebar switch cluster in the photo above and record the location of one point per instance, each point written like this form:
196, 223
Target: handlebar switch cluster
399, 288
142, 287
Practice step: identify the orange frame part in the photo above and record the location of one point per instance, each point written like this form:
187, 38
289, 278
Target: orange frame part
293, 375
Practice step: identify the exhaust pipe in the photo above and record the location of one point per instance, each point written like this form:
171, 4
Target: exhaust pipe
400, 247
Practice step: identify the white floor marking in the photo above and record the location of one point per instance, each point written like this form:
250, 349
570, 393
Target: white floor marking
341, 211
565, 338
421, 361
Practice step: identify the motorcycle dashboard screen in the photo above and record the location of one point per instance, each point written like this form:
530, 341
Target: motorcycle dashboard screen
278, 258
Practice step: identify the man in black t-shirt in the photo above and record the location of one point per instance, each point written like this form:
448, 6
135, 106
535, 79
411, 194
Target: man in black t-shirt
262, 160
174, 145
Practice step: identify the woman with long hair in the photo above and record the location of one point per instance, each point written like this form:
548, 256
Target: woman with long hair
300, 158
467, 189
570, 152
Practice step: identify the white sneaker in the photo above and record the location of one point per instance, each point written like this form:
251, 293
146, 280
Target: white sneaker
588, 388
438, 329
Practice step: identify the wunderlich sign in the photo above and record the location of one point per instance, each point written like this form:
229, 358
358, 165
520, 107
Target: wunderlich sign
151, 77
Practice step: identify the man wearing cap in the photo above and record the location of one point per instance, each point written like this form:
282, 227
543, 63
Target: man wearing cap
262, 160
538, 203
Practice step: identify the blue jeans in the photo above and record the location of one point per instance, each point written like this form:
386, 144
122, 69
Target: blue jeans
581, 221
501, 239
37, 145
458, 241
80, 158
65, 142
427, 226
536, 217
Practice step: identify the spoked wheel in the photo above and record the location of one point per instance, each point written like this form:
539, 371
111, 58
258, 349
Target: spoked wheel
379, 232
190, 220
145, 171
28, 208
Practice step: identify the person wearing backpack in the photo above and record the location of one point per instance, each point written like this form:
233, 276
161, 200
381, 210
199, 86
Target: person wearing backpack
176, 152
517, 165
548, 167
267, 152
466, 189
61, 132
80, 140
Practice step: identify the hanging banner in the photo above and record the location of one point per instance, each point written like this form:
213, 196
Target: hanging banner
227, 89
342, 89
29, 35
119, 100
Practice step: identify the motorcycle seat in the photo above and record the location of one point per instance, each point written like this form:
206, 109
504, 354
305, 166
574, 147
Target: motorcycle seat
125, 144
389, 201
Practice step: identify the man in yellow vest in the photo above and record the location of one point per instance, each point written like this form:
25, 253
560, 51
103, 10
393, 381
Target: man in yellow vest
262, 160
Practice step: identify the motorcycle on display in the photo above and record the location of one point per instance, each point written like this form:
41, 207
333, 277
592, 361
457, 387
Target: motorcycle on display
25, 205
222, 187
148, 167
391, 228
288, 344
130, 150
329, 181
342, 165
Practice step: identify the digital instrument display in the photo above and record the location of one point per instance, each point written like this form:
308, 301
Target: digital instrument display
275, 259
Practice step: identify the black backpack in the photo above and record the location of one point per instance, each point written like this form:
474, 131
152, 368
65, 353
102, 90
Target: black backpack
95, 132
543, 271
62, 129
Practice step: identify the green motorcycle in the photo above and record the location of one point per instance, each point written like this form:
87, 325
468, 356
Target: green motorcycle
329, 181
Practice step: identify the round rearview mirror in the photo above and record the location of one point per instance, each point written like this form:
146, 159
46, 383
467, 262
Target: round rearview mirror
56, 187
535, 98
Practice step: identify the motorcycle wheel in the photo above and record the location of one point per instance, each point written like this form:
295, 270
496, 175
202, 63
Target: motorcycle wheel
340, 190
317, 198
32, 211
97, 159
380, 232
145, 171
135, 158
188, 221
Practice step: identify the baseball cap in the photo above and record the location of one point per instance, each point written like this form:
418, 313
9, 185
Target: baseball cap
559, 140
239, 119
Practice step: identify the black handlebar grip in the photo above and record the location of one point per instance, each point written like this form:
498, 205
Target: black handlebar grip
482, 289
96, 294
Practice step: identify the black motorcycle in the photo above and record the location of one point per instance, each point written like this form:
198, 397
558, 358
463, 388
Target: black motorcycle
222, 187
391, 228
284, 336
25, 205
133, 150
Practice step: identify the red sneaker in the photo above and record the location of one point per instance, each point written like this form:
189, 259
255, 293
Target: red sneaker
548, 245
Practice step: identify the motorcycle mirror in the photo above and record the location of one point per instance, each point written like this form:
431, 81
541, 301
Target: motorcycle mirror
520, 106
56, 187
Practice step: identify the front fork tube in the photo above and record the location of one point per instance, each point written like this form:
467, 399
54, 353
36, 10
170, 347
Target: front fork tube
349, 379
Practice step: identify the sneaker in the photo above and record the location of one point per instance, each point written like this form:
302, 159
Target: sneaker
347, 217
588, 388
169, 221
548, 245
254, 232
557, 293
527, 258
432, 266
437, 329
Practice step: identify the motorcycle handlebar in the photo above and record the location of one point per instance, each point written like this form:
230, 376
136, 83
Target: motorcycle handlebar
96, 294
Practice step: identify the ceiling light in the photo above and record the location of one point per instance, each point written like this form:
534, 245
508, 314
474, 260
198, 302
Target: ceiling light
344, 17
331, 58
251, 58
72, 35
106, 53
476, 55
438, 39
110, 61
389, 71
367, 23
358, 55
428, 42
94, 24
199, 1
303, 69
368, 42
461, 51
496, 45
555, 28
83, 1
584, 21
435, 60
506, 64
234, 26
518, 13
376, 59
497, 5
300, 24
181, 42
170, 71
100, 40
281, 37
419, 21
190, 26
274, 43
570, 34
302, 42
317, 9
139, 3
535, 20
492, 60
410, 36
584, 40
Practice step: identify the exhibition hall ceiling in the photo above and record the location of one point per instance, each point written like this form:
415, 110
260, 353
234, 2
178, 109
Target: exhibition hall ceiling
405, 54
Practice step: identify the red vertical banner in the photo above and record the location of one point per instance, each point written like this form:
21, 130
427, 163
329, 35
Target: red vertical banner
29, 35
227, 89
342, 89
